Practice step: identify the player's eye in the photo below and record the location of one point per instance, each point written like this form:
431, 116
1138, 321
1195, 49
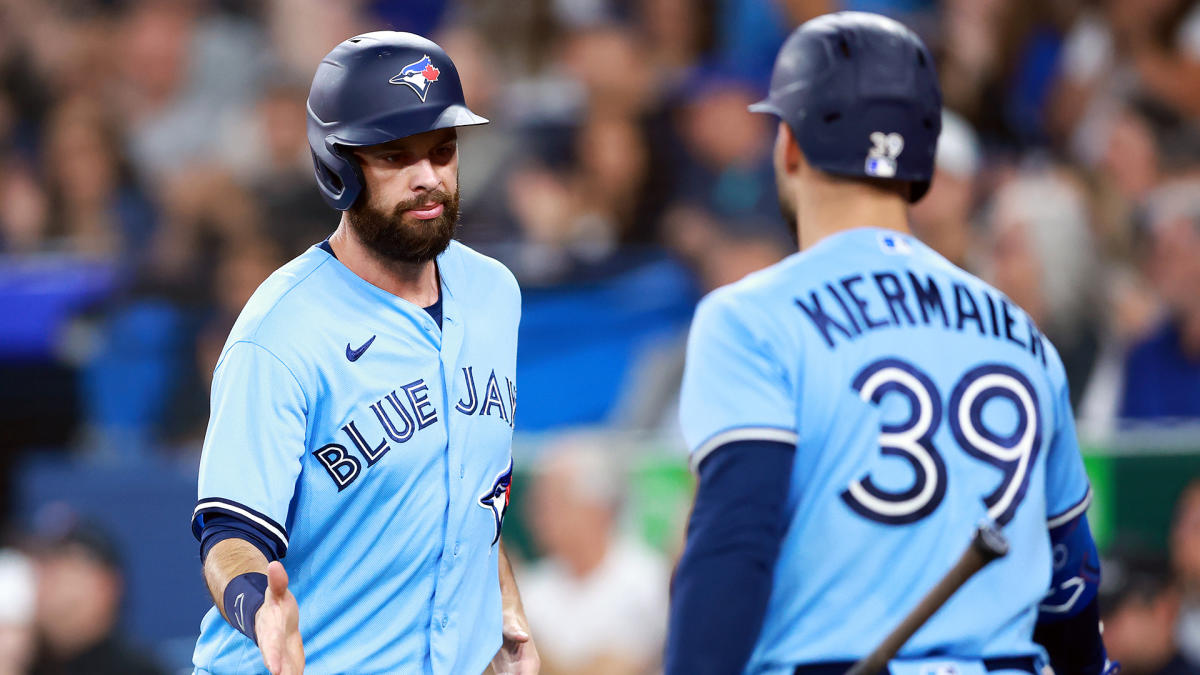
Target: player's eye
446, 151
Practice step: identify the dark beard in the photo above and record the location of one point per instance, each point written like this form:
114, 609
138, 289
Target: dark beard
393, 238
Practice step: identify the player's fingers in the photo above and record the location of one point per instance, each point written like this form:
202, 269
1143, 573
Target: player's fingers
270, 640
272, 658
294, 664
277, 578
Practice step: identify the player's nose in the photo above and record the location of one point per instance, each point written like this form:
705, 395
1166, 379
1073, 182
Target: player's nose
424, 177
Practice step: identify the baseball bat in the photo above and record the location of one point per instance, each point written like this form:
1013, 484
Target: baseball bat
987, 545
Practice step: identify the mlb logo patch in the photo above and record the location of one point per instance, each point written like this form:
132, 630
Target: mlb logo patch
881, 158
418, 75
894, 244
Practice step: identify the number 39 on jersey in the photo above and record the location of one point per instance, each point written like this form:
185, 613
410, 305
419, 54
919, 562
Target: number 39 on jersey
1013, 451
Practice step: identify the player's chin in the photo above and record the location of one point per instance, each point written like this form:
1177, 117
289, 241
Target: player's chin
428, 238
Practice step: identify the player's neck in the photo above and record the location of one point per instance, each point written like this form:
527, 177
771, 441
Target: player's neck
414, 282
828, 207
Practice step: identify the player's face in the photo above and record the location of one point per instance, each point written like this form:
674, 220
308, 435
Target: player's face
409, 208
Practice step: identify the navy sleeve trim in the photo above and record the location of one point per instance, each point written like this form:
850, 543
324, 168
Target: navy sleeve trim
221, 527
1072, 513
741, 434
274, 531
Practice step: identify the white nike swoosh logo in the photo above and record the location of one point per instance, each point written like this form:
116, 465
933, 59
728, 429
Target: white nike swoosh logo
239, 604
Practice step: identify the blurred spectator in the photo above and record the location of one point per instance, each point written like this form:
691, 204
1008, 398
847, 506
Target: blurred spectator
678, 34
1123, 48
18, 585
303, 31
205, 211
727, 166
274, 164
598, 600
606, 59
181, 71
717, 252
1162, 372
24, 209
80, 587
95, 208
1040, 253
997, 63
613, 167
1138, 606
942, 218
750, 32
1185, 558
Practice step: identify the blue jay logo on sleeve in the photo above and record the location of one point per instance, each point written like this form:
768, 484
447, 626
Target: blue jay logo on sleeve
418, 76
496, 499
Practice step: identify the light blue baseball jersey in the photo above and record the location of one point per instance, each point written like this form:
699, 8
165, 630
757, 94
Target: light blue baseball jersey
920, 400
377, 449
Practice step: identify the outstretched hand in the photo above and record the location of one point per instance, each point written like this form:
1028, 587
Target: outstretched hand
517, 655
277, 625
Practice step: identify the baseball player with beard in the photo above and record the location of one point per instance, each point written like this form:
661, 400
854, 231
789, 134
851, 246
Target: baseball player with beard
357, 462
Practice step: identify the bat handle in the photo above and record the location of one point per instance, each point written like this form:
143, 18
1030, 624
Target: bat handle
987, 545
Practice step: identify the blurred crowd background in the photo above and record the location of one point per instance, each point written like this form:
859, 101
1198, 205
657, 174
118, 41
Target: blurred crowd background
154, 170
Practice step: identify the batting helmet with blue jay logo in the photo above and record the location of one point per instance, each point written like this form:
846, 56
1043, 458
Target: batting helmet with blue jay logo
374, 88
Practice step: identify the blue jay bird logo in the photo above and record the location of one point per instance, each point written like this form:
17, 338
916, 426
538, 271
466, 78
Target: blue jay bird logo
418, 75
496, 498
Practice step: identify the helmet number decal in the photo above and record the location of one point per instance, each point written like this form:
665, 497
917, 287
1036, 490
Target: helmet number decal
881, 159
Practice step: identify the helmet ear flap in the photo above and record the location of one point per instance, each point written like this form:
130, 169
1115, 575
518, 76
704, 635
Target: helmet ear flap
338, 178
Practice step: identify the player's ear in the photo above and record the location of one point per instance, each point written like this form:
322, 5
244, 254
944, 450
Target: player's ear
788, 156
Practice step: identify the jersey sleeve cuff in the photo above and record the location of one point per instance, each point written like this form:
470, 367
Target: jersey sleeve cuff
269, 528
716, 441
1072, 513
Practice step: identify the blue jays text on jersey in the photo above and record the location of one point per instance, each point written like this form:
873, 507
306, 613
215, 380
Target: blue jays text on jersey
920, 400
374, 449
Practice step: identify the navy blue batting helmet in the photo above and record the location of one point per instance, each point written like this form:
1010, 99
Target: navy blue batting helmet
861, 96
372, 89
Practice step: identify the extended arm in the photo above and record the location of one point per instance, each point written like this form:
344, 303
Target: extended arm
518, 655
253, 596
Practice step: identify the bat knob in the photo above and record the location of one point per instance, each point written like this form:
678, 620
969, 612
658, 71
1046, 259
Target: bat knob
989, 541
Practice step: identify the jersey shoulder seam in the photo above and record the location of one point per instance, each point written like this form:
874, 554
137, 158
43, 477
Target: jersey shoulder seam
274, 304
275, 356
472, 258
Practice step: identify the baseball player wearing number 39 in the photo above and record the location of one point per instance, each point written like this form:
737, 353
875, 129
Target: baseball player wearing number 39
357, 462
854, 411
